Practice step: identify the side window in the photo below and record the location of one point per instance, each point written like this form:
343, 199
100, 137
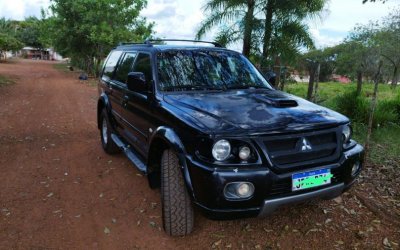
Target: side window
143, 64
121, 74
110, 64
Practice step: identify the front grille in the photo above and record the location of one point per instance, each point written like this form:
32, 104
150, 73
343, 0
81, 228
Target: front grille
284, 186
301, 149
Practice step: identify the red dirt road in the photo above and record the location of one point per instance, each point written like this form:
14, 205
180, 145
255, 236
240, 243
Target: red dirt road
59, 190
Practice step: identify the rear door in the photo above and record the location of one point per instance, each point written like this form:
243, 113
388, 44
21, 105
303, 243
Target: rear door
115, 97
137, 107
119, 85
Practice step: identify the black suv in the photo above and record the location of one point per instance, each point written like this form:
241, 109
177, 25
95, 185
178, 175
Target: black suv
205, 125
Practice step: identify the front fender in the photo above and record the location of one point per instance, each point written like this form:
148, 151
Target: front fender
169, 137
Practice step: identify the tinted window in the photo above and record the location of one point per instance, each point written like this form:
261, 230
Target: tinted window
125, 67
110, 64
143, 64
182, 69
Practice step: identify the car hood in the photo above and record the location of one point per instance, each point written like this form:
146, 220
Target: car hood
253, 111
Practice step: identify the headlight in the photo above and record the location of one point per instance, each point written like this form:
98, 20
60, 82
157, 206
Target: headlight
346, 133
244, 153
221, 150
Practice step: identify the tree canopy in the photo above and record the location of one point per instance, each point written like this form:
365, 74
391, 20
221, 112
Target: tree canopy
7, 37
266, 28
87, 30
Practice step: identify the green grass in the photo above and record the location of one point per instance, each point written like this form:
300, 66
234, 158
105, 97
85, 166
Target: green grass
62, 66
328, 90
5, 81
385, 140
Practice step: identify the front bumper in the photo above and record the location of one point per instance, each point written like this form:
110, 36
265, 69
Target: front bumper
270, 205
272, 190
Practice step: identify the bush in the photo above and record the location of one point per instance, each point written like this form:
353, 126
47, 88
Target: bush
353, 106
357, 108
388, 111
385, 112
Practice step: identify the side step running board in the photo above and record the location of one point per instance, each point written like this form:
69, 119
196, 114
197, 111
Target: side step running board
129, 152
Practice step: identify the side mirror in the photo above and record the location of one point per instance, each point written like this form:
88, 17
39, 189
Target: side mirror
272, 80
137, 82
271, 77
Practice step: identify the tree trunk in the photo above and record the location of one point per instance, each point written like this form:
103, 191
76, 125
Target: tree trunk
314, 97
98, 61
277, 71
283, 81
311, 71
359, 82
248, 28
395, 76
373, 106
269, 11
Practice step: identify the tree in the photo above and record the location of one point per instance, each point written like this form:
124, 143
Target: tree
356, 56
6, 26
87, 30
8, 43
372, 109
237, 17
388, 41
320, 64
284, 29
266, 28
31, 33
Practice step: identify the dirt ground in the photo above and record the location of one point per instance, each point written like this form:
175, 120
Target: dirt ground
59, 190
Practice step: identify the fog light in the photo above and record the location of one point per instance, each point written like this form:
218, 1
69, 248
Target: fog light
243, 190
238, 190
355, 168
244, 153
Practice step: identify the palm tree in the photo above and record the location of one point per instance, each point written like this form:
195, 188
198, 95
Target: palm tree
236, 18
6, 26
284, 27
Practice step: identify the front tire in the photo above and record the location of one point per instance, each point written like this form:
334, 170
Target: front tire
177, 207
107, 142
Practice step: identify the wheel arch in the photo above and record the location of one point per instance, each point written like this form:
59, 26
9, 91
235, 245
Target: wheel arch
165, 138
102, 103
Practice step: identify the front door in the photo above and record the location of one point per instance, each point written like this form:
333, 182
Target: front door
137, 107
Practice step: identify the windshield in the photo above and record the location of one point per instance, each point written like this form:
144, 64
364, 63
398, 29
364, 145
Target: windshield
198, 70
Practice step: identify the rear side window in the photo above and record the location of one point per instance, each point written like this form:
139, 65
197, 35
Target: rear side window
110, 64
125, 67
143, 64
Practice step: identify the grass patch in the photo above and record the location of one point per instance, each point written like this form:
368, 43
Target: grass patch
328, 90
5, 81
385, 140
64, 67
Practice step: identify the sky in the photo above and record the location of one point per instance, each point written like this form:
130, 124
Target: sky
181, 18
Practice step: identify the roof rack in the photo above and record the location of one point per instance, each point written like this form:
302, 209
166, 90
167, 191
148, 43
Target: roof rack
133, 43
149, 41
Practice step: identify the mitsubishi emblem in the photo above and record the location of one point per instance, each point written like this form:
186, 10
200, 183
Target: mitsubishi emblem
305, 145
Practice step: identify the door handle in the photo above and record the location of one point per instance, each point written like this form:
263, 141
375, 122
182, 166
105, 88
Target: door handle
125, 100
109, 88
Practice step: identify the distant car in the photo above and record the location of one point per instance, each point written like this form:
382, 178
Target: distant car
204, 125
